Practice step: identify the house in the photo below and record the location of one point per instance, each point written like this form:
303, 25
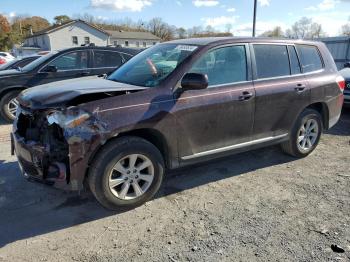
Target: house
132, 39
69, 34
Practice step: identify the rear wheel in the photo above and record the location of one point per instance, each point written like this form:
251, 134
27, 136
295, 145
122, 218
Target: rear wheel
8, 106
126, 173
305, 134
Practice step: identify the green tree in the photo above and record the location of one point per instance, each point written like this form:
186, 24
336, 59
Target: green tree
59, 19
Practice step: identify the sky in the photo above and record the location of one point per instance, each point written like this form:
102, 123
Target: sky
332, 14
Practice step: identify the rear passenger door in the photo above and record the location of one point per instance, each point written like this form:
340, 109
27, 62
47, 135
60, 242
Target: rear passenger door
106, 61
281, 89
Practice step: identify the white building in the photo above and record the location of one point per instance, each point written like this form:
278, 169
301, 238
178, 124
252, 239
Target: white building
68, 34
132, 39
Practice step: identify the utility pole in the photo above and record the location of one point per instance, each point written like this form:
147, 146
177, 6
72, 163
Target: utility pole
254, 18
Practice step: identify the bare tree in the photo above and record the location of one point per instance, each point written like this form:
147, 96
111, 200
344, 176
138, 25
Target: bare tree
345, 29
306, 28
161, 29
181, 33
276, 32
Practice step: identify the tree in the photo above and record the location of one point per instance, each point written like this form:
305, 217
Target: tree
5, 36
346, 28
59, 19
161, 29
228, 28
181, 33
27, 25
276, 32
306, 28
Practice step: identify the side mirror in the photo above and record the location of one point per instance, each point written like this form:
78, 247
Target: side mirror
194, 81
51, 69
347, 65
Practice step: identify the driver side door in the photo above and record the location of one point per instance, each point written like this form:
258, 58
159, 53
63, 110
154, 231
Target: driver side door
217, 119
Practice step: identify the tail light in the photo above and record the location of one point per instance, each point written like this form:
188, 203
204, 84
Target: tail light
2, 61
341, 82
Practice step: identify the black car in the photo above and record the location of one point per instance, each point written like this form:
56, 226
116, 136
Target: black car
56, 66
19, 63
346, 74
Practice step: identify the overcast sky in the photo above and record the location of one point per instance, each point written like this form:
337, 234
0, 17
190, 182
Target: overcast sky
332, 14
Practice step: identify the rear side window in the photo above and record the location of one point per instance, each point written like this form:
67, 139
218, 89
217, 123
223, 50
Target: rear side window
294, 62
224, 65
271, 61
107, 59
310, 58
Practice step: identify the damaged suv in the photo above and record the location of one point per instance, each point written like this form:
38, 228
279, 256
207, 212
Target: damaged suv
175, 104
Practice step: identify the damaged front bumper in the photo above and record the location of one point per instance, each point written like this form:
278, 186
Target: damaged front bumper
54, 147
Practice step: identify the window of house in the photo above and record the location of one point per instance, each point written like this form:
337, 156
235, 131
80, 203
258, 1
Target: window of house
71, 61
144, 44
294, 61
115, 43
224, 65
107, 59
271, 61
154, 43
137, 44
86, 40
75, 40
126, 43
309, 58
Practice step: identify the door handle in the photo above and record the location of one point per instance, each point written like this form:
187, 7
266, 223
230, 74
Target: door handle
300, 88
245, 96
85, 73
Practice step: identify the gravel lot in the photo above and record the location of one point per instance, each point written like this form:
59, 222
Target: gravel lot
256, 206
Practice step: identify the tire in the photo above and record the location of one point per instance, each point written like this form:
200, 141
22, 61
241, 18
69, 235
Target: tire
4, 105
117, 156
294, 146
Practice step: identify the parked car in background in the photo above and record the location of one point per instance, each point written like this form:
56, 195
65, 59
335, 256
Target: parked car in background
56, 66
176, 104
346, 74
5, 57
18, 63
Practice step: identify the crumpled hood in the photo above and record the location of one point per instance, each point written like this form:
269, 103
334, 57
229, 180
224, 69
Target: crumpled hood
58, 94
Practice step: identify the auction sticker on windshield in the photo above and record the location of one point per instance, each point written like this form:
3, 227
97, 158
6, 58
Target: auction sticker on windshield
189, 48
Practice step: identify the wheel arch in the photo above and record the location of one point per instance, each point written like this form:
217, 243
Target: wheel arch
12, 88
323, 110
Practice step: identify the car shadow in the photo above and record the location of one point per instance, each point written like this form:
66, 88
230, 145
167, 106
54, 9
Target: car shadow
31, 209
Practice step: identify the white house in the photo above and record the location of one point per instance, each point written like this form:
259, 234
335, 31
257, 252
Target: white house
78, 32
132, 39
68, 34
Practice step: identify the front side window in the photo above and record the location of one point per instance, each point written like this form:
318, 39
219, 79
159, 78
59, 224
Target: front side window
71, 61
224, 65
75, 40
107, 59
271, 61
310, 58
152, 66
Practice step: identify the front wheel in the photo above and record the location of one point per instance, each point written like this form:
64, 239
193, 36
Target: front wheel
305, 135
126, 173
8, 106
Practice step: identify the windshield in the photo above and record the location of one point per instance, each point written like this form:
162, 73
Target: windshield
38, 61
153, 65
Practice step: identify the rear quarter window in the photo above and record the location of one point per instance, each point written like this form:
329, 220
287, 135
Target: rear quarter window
271, 60
309, 58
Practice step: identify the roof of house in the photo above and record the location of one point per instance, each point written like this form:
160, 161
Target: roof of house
133, 35
60, 26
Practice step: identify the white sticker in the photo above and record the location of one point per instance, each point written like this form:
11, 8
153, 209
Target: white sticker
189, 48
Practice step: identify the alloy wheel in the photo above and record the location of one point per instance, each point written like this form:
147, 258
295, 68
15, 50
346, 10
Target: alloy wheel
12, 107
131, 177
307, 135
